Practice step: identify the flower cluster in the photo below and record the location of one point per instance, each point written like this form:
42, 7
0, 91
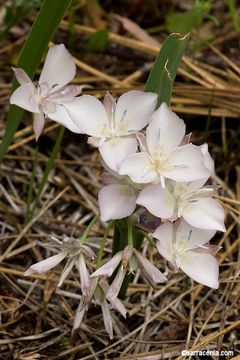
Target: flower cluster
150, 162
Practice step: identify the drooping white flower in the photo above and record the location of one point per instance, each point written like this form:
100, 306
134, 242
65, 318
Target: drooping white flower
47, 98
128, 259
188, 200
75, 254
117, 199
187, 248
112, 125
98, 289
162, 155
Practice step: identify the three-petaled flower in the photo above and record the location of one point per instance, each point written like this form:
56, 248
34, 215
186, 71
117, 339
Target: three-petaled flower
187, 248
48, 97
128, 259
162, 153
113, 125
75, 254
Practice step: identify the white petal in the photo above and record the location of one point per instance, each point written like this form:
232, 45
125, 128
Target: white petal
152, 274
59, 68
107, 318
195, 237
84, 275
24, 97
134, 108
186, 164
45, 265
116, 202
79, 315
164, 234
66, 271
118, 305
21, 76
38, 124
205, 214
109, 267
62, 117
166, 130
139, 168
202, 268
208, 160
157, 201
114, 151
115, 286
88, 114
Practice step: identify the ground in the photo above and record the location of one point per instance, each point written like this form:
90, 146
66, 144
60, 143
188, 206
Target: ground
36, 316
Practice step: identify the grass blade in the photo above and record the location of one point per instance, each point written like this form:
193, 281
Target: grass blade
42, 31
165, 68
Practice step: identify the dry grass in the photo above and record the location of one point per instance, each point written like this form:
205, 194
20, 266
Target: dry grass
36, 318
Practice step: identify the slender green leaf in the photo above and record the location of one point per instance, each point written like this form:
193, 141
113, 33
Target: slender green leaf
165, 68
98, 41
42, 31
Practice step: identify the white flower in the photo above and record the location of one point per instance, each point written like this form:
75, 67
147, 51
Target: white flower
98, 289
47, 98
113, 125
129, 258
189, 200
117, 199
75, 253
186, 247
162, 155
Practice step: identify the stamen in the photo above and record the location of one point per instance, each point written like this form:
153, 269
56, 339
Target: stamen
190, 234
162, 180
123, 115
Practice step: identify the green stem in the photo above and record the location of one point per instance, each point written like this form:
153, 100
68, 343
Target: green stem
130, 232
100, 253
88, 229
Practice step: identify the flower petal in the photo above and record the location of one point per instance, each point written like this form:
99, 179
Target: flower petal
186, 164
115, 286
116, 202
38, 124
45, 265
164, 234
195, 237
139, 168
152, 274
66, 271
109, 267
202, 268
24, 97
114, 151
61, 116
84, 274
166, 130
134, 108
207, 159
157, 201
21, 76
205, 214
107, 318
59, 68
81, 310
88, 114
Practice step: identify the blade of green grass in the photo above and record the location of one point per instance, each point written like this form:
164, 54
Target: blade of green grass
165, 67
42, 31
